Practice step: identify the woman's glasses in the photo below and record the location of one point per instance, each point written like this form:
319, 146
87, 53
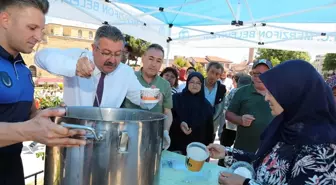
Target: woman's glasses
195, 83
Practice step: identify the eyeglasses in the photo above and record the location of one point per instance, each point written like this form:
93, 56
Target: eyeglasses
117, 55
195, 83
255, 74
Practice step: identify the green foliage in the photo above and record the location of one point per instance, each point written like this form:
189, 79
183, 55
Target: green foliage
60, 86
48, 102
199, 67
139, 47
278, 56
181, 62
329, 62
40, 154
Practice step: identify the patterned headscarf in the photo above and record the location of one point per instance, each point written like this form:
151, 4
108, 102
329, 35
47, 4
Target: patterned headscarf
331, 81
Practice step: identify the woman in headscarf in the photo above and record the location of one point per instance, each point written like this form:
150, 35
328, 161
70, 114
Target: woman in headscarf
332, 84
299, 145
192, 116
170, 74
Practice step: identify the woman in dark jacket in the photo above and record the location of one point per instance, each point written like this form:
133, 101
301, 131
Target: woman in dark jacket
192, 115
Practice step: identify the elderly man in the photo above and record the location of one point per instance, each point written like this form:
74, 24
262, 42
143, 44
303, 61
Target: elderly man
21, 25
148, 76
249, 110
215, 92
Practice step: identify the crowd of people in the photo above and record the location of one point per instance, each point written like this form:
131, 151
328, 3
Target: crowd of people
280, 119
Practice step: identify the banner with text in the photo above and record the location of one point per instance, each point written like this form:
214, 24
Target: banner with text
305, 37
122, 16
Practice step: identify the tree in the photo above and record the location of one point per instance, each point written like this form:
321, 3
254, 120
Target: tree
329, 62
181, 62
278, 56
200, 68
139, 47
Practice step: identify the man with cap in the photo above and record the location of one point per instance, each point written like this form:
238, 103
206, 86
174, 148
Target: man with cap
249, 110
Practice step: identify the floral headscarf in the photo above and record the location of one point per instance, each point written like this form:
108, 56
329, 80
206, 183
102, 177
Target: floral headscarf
331, 81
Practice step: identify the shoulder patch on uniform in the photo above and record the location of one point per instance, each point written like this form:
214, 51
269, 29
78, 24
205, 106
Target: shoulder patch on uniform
6, 79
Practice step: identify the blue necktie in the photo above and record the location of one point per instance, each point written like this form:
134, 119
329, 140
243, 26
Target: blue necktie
100, 89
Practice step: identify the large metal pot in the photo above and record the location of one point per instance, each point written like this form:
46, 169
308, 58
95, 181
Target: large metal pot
124, 148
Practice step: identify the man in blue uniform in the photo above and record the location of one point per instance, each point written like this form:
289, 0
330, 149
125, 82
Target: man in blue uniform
21, 25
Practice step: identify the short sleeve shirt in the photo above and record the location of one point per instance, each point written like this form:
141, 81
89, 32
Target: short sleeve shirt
248, 101
164, 87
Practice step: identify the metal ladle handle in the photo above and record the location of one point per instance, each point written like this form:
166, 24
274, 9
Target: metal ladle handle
87, 128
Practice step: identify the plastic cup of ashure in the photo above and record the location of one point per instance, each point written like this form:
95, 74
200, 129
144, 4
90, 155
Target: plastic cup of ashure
150, 95
197, 154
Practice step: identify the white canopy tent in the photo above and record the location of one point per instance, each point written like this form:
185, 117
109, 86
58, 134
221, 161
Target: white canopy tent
92, 13
302, 25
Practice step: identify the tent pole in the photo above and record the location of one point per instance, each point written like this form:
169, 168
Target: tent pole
231, 9
133, 16
171, 7
168, 46
216, 34
317, 33
202, 31
252, 19
182, 13
238, 12
294, 13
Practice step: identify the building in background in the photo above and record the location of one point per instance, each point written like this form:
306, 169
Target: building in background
318, 62
226, 63
58, 36
200, 60
246, 65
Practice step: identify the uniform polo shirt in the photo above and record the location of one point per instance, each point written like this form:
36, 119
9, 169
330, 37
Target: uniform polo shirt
16, 93
248, 101
164, 87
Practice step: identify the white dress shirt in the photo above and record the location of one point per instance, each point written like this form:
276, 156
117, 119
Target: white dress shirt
79, 91
228, 84
181, 86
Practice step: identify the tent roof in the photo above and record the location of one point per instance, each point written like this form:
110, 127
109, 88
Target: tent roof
219, 12
302, 25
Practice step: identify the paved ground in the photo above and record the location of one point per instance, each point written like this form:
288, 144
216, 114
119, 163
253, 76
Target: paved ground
32, 164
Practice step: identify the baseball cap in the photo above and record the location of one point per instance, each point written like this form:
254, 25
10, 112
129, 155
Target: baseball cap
262, 61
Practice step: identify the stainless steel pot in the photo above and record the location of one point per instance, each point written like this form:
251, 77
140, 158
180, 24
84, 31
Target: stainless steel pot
124, 148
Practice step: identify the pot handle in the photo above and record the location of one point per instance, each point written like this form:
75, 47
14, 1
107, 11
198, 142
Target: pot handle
90, 129
123, 142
